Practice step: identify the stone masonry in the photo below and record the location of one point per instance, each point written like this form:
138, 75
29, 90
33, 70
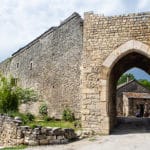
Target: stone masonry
78, 63
111, 46
12, 133
51, 66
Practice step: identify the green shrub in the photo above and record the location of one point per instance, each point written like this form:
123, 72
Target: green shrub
26, 95
33, 126
30, 117
77, 124
47, 118
68, 115
9, 99
43, 110
23, 117
11, 95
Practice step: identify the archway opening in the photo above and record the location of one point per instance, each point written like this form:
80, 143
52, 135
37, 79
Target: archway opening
130, 60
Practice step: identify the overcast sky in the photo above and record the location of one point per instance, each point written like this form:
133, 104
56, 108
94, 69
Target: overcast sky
21, 21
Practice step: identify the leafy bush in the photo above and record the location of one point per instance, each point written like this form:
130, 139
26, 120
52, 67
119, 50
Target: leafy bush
47, 118
9, 99
43, 110
30, 117
68, 115
11, 95
123, 78
23, 117
26, 95
77, 124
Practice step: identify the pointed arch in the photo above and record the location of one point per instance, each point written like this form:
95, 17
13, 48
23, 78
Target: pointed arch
124, 49
130, 54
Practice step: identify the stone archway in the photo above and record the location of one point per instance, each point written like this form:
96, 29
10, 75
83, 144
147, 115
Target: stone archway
131, 54
99, 87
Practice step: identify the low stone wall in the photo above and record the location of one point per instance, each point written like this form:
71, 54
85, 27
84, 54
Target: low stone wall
12, 133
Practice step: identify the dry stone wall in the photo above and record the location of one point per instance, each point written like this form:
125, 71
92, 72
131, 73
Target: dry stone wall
12, 133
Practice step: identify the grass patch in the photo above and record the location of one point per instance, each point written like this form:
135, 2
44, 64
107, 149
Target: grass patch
52, 123
20, 147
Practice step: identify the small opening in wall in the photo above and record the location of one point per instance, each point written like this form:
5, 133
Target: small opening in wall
31, 65
17, 65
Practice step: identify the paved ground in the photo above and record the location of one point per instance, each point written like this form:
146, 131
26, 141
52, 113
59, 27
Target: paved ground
131, 134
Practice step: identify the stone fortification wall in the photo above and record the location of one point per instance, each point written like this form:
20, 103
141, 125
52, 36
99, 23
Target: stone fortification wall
102, 36
51, 65
12, 133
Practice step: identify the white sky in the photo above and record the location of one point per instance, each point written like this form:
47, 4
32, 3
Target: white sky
21, 21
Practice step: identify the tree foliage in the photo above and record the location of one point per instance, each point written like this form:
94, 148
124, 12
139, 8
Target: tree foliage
123, 78
11, 95
8, 97
145, 83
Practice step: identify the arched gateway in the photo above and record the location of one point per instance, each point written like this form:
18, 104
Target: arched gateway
112, 45
77, 65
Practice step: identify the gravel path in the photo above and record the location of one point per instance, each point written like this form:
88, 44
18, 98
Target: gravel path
132, 135
112, 142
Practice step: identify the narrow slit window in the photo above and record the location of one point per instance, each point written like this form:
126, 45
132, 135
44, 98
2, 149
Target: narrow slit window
17, 65
31, 65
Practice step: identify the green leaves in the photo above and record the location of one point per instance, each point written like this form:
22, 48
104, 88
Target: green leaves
43, 110
123, 78
68, 115
11, 95
8, 96
145, 83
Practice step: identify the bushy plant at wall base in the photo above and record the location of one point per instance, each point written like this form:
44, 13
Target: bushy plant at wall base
43, 110
68, 115
11, 95
9, 100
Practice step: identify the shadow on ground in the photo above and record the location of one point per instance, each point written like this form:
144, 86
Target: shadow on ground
127, 125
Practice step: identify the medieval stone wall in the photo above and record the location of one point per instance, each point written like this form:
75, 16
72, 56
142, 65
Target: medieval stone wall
51, 65
103, 35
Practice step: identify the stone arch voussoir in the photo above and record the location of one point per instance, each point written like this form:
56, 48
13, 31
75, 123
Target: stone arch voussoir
130, 46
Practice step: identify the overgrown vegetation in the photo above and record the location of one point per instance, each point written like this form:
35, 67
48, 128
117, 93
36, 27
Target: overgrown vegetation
9, 99
20, 147
43, 110
11, 95
123, 78
68, 115
26, 118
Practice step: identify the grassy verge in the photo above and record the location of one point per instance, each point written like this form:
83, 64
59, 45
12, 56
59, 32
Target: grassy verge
38, 121
20, 147
52, 123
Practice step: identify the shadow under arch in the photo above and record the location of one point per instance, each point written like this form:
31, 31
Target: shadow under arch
132, 59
